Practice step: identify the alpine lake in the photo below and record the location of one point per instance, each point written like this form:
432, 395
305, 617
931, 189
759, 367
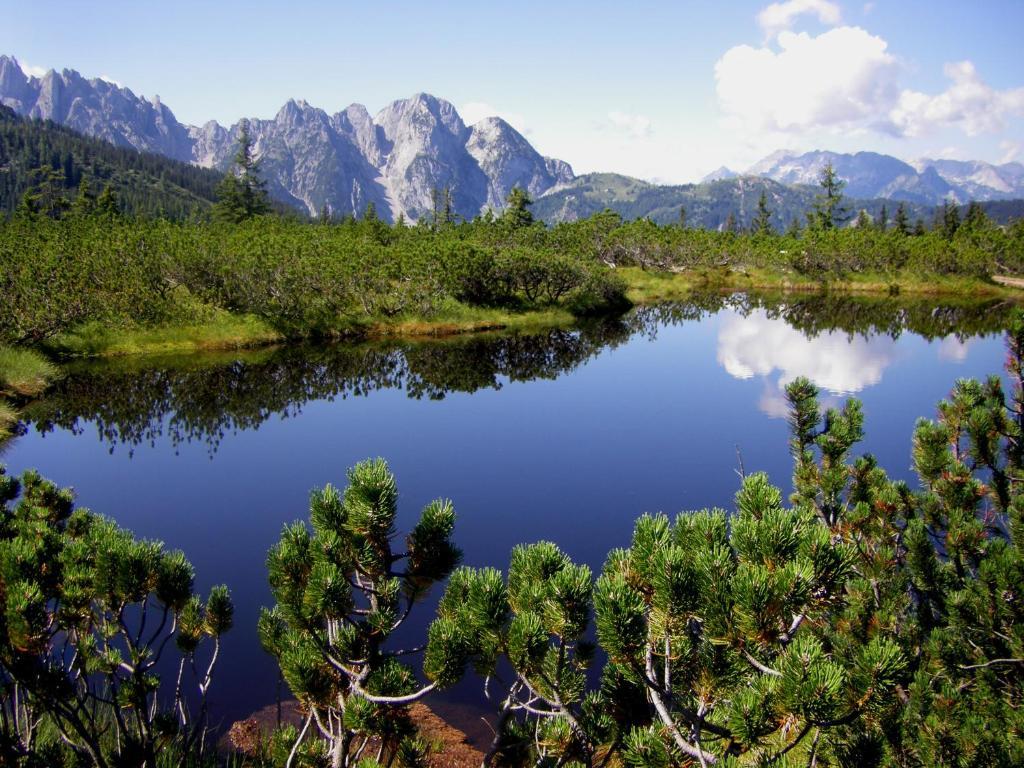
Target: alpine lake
565, 436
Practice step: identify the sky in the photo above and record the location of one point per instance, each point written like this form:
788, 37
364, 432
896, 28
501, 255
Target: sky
665, 91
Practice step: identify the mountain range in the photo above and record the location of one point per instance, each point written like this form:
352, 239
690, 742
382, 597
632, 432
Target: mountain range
396, 159
870, 175
311, 159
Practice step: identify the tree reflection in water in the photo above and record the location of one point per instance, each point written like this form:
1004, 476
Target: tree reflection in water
203, 397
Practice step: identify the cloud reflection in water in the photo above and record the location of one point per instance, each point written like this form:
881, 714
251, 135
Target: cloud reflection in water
757, 345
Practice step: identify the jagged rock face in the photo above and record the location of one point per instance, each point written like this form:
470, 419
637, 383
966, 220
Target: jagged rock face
869, 174
425, 143
508, 161
339, 162
95, 107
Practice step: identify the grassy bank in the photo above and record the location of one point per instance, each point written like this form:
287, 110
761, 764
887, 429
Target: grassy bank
649, 286
24, 373
228, 331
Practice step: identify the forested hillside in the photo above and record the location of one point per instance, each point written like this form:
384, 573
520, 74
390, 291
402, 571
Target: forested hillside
142, 183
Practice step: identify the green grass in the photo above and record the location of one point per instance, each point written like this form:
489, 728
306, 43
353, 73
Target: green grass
224, 331
25, 372
647, 287
455, 318
8, 418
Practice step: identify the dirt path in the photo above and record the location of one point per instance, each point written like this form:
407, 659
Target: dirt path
1013, 282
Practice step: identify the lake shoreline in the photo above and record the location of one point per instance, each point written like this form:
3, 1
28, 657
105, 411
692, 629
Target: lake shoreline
644, 287
37, 368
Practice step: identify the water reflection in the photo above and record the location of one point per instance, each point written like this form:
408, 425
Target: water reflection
204, 397
757, 345
842, 343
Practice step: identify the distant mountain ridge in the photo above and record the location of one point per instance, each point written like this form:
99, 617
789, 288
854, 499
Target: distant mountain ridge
871, 175
710, 204
311, 159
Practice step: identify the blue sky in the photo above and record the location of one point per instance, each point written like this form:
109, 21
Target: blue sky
661, 90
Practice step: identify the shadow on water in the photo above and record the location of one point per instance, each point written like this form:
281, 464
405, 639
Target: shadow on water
203, 397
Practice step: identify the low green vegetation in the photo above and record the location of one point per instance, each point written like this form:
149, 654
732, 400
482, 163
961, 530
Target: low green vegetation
81, 278
863, 622
24, 372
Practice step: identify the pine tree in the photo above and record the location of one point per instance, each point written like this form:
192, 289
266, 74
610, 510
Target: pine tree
730, 224
763, 220
84, 203
106, 203
902, 222
682, 217
829, 209
883, 219
863, 220
242, 194
76, 652
342, 591
975, 218
950, 219
517, 209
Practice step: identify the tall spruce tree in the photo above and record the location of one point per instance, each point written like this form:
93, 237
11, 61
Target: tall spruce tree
763, 220
829, 209
243, 193
902, 222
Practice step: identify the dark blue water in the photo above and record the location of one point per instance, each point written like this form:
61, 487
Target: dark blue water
567, 438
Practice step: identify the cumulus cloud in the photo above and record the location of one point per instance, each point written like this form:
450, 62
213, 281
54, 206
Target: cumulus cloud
846, 79
840, 78
778, 17
475, 111
634, 126
968, 102
31, 70
759, 346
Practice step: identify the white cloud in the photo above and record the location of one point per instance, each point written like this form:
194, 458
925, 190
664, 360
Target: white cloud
1011, 150
31, 70
634, 126
840, 78
112, 81
475, 111
760, 346
779, 17
846, 80
968, 103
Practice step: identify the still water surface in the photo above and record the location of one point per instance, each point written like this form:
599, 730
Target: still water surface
567, 436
